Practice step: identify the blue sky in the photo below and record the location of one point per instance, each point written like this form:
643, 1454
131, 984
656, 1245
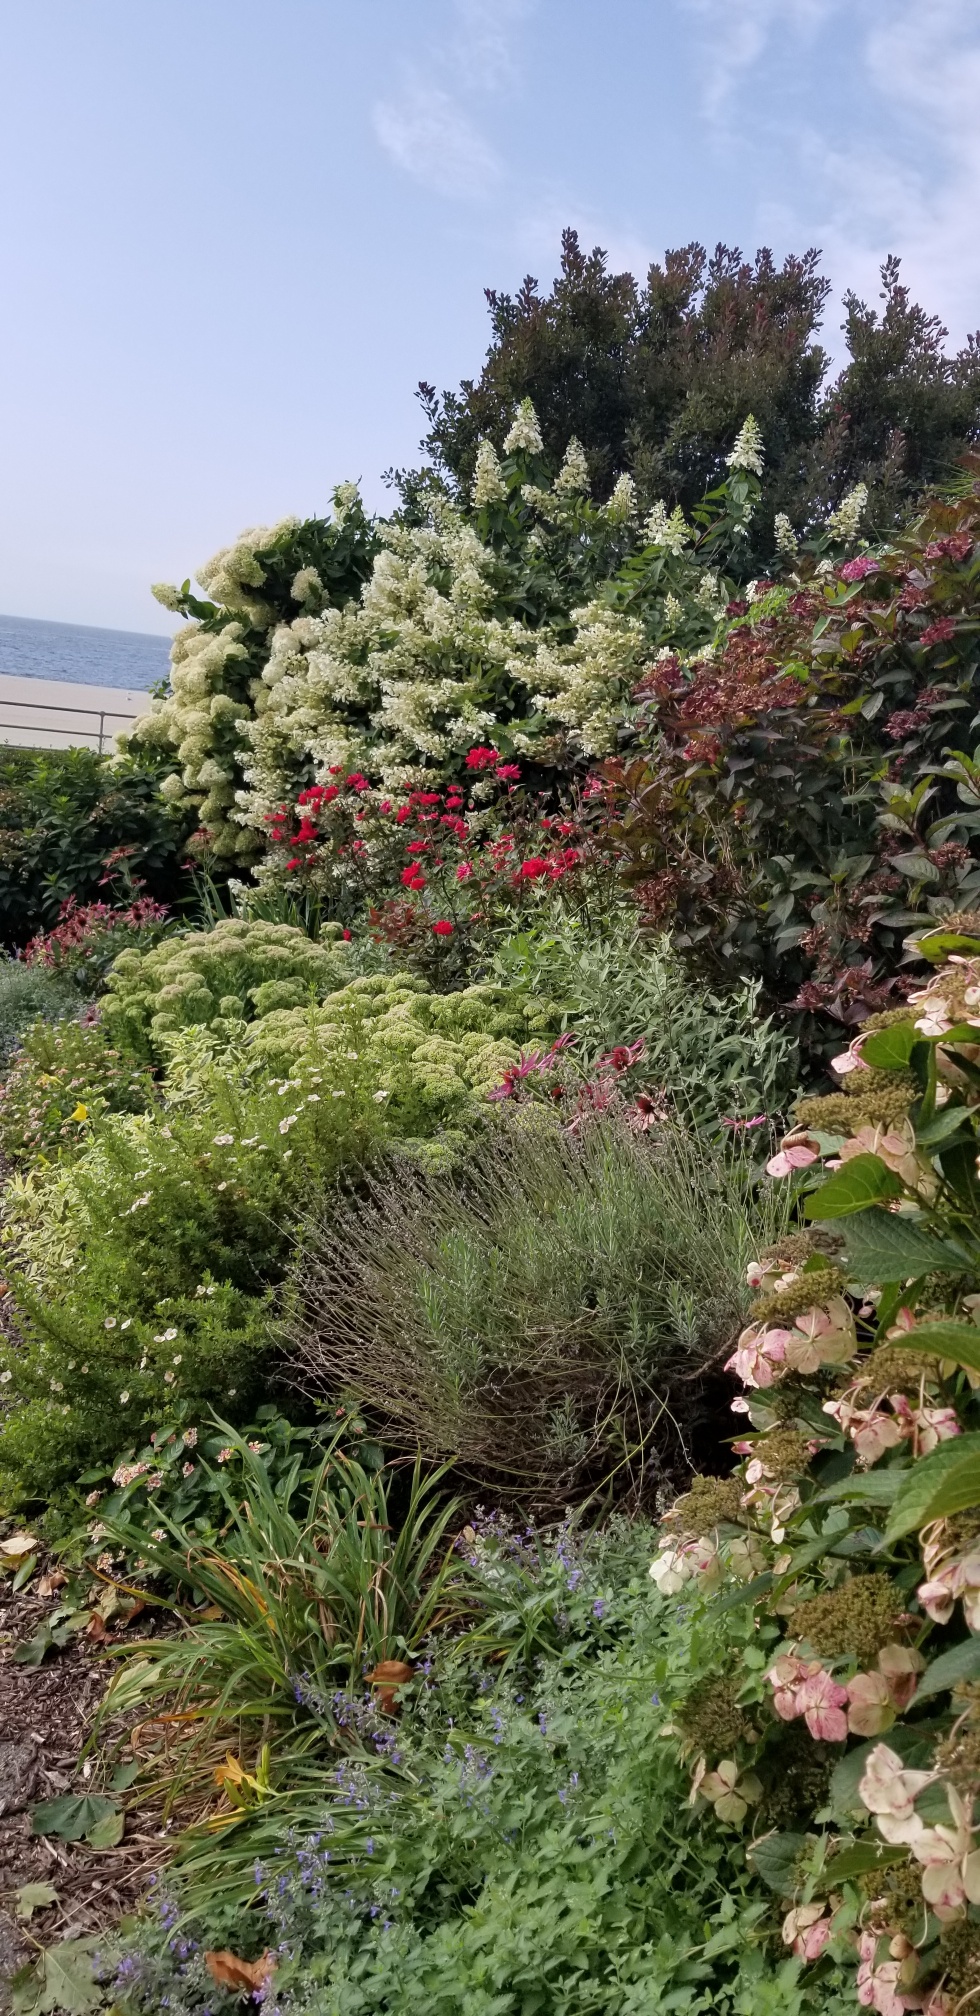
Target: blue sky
234, 236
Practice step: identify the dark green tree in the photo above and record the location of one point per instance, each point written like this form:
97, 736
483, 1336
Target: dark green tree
656, 379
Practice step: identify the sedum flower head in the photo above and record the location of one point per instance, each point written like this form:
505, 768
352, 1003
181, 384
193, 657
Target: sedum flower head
787, 543
845, 521
524, 434
488, 484
749, 449
573, 476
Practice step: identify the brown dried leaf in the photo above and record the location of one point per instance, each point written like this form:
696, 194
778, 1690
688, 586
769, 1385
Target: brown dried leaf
95, 1629
387, 1678
227, 1971
55, 1579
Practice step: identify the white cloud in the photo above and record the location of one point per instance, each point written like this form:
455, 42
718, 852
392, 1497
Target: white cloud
738, 33
429, 136
481, 47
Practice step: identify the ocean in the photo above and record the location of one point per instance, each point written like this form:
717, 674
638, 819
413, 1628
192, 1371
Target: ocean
31, 649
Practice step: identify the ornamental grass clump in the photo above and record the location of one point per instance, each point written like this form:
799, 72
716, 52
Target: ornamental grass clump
545, 1315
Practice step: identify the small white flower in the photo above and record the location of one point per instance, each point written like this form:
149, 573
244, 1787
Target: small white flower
178, 1355
56, 1386
168, 1378
787, 543
289, 1121
378, 1096
124, 1325
165, 1337
124, 1399
251, 1141
4, 1377
223, 1140
110, 1322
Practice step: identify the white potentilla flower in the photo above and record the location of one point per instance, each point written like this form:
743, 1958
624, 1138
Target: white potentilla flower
124, 1399
110, 1323
249, 1143
749, 449
165, 1337
378, 1096
223, 1140
56, 1386
168, 1378
573, 476
178, 1355
524, 434
787, 544
289, 1121
124, 1325
222, 1186
5, 1377
488, 484
338, 1095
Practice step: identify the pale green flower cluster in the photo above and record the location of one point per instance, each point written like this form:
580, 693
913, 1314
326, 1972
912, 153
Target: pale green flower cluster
749, 449
673, 533
451, 1046
235, 972
524, 434
787, 544
488, 484
582, 684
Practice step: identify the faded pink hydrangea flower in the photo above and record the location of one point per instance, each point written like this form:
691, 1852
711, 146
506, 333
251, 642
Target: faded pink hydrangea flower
806, 1929
889, 1791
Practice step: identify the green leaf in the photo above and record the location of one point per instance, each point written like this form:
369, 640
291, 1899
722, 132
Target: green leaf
775, 1857
961, 1663
71, 1817
943, 1126
123, 1776
864, 1487
864, 1856
31, 1651
24, 1573
959, 1341
885, 1246
735, 1599
947, 1480
890, 1049
107, 1833
34, 1897
59, 1983
852, 1187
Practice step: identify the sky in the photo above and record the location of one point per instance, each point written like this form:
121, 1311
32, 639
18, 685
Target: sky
234, 236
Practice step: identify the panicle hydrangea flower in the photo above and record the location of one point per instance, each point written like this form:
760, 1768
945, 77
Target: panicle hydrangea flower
573, 476
524, 434
844, 523
672, 533
621, 507
749, 449
787, 544
488, 484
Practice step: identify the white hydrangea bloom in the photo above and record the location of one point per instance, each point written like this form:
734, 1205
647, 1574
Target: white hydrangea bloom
844, 523
710, 593
539, 500
166, 593
672, 533
488, 484
673, 611
524, 434
306, 583
573, 476
787, 544
345, 497
621, 507
749, 449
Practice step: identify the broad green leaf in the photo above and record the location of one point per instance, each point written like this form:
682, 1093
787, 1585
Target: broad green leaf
864, 1487
961, 1663
888, 1246
71, 1817
108, 1832
864, 1856
852, 1187
890, 1049
747, 1592
60, 1983
34, 1897
24, 1572
947, 1480
775, 1857
943, 1126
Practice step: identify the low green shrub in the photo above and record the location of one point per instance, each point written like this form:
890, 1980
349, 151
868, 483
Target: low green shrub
63, 1077
510, 1843
716, 1056
546, 1312
71, 821
27, 993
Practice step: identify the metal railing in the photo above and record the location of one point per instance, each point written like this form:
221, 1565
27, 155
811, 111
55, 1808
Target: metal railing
75, 737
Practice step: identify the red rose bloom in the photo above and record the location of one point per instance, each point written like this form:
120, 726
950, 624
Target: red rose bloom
443, 929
